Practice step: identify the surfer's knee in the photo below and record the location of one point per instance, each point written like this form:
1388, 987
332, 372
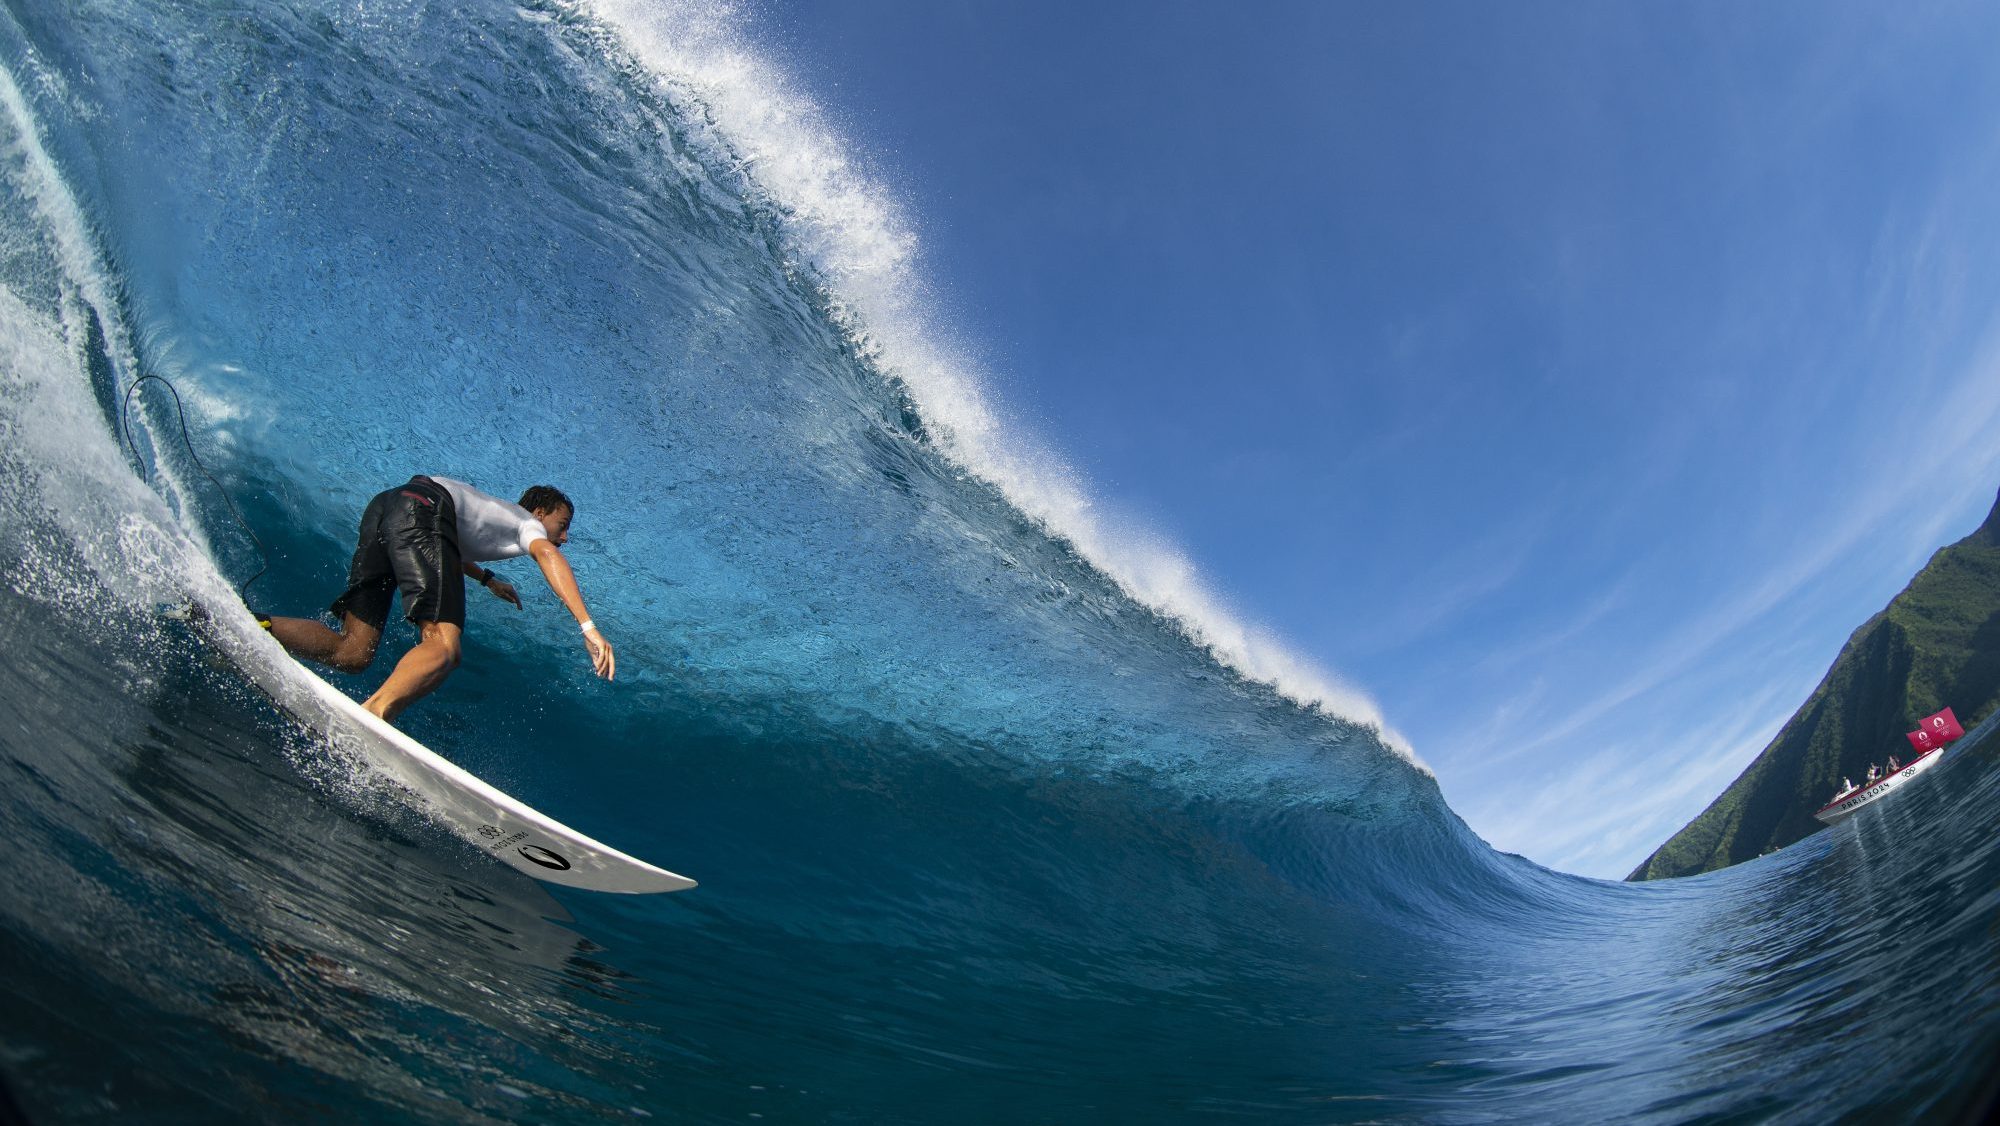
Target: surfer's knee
353, 655
446, 639
355, 650
348, 664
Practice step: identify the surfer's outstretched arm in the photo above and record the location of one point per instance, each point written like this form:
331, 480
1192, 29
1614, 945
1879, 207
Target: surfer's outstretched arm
562, 580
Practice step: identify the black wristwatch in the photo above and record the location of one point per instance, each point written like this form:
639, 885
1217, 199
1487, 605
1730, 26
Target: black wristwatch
485, 577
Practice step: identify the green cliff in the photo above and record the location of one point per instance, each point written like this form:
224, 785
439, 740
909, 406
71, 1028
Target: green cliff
1936, 645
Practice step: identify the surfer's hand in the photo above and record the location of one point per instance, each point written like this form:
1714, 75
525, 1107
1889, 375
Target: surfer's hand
504, 591
601, 657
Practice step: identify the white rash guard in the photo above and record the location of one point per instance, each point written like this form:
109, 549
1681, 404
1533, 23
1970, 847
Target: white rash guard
490, 528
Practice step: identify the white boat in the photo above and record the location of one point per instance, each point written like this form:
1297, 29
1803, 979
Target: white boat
1845, 803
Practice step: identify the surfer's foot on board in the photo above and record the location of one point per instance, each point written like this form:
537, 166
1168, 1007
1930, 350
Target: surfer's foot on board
186, 610
194, 613
191, 611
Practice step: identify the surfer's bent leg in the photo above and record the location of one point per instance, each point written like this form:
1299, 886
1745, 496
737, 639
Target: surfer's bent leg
349, 649
420, 544
363, 608
420, 671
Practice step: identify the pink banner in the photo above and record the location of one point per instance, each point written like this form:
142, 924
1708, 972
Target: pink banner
1935, 731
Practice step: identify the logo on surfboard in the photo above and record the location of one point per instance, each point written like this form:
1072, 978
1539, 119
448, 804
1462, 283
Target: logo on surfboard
539, 855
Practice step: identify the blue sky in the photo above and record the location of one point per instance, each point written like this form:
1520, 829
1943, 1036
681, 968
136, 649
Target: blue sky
1572, 379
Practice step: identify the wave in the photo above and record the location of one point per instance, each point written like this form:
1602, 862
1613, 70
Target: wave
993, 818
846, 229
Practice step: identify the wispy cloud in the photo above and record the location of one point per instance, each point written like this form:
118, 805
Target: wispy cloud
1903, 503
1599, 813
1931, 462
1460, 582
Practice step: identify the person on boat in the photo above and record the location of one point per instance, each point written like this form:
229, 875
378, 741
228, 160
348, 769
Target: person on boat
426, 538
1845, 785
1874, 772
1894, 765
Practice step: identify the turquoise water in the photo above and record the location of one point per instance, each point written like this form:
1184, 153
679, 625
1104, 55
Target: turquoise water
989, 829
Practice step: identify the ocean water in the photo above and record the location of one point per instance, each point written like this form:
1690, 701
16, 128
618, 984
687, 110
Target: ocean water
998, 817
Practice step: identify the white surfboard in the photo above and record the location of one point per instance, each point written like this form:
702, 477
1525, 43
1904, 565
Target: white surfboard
508, 830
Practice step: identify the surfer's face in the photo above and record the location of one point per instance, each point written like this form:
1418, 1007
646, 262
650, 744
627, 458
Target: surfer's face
556, 522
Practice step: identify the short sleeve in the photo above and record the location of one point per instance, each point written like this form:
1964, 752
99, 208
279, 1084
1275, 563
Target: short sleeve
532, 530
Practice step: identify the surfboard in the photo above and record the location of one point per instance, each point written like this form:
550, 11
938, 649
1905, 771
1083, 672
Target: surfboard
506, 829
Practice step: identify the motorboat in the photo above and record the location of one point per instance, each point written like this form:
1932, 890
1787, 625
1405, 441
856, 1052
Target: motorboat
1846, 802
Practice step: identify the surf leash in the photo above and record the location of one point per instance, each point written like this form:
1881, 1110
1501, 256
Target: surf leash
125, 431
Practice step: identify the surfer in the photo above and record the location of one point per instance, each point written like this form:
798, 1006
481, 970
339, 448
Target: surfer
426, 538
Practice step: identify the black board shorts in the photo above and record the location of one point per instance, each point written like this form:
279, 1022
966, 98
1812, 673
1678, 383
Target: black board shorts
408, 542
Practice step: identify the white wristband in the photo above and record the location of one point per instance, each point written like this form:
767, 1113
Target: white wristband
587, 625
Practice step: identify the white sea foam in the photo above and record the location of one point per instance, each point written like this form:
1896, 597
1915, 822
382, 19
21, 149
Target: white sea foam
141, 547
858, 240
51, 423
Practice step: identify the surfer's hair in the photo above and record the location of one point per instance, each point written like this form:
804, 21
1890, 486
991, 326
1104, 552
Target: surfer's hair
545, 498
